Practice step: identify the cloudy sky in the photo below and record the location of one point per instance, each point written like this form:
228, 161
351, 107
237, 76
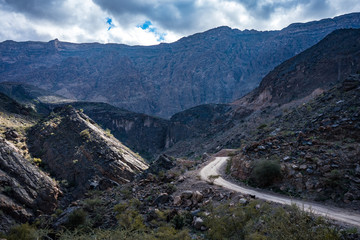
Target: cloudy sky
148, 22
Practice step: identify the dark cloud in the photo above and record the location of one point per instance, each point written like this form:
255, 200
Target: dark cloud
85, 20
171, 15
318, 8
264, 11
52, 10
183, 15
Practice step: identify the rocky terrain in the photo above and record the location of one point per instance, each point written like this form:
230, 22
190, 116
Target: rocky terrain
299, 79
75, 150
316, 145
40, 100
217, 66
68, 146
210, 127
26, 191
62, 176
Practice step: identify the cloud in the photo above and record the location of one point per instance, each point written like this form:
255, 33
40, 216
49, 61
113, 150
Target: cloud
160, 20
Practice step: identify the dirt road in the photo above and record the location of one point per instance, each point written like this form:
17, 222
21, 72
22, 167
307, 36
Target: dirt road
212, 173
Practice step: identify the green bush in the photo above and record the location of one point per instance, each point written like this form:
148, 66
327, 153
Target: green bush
266, 222
76, 218
108, 133
22, 232
128, 215
265, 172
92, 203
85, 134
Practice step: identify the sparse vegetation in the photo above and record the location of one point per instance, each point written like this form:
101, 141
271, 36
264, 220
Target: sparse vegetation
108, 133
265, 172
37, 161
22, 232
76, 218
85, 134
261, 221
228, 166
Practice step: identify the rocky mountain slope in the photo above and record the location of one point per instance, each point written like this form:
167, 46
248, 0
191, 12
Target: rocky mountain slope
292, 83
26, 191
28, 95
316, 69
147, 135
316, 145
67, 145
216, 66
74, 149
210, 127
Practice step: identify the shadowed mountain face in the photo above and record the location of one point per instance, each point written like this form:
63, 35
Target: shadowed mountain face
316, 69
294, 82
211, 126
74, 148
216, 66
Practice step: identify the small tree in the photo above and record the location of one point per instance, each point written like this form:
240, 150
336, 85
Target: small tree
265, 172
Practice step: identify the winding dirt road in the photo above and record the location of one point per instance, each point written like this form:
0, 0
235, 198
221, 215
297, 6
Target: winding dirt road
212, 173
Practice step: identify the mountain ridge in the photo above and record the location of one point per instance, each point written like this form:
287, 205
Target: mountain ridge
216, 66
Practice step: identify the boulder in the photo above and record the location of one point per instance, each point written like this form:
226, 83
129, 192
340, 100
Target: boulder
186, 194
243, 201
197, 197
351, 82
25, 190
162, 199
177, 201
198, 223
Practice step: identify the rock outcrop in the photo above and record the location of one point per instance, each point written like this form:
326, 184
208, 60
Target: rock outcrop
317, 69
75, 150
316, 145
25, 190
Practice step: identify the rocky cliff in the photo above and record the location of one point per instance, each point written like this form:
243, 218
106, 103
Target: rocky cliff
318, 68
80, 154
316, 147
292, 83
216, 66
26, 191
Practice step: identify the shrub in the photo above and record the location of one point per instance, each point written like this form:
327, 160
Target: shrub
108, 133
76, 218
92, 203
262, 126
265, 172
266, 222
22, 232
85, 134
37, 161
228, 166
128, 216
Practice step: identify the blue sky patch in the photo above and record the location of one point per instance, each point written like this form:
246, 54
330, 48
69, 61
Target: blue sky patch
109, 23
148, 26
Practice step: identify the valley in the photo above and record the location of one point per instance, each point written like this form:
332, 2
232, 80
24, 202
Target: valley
224, 134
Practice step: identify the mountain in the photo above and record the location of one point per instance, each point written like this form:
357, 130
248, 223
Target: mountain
315, 145
297, 133
292, 83
216, 66
74, 149
66, 145
25, 190
28, 95
316, 69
